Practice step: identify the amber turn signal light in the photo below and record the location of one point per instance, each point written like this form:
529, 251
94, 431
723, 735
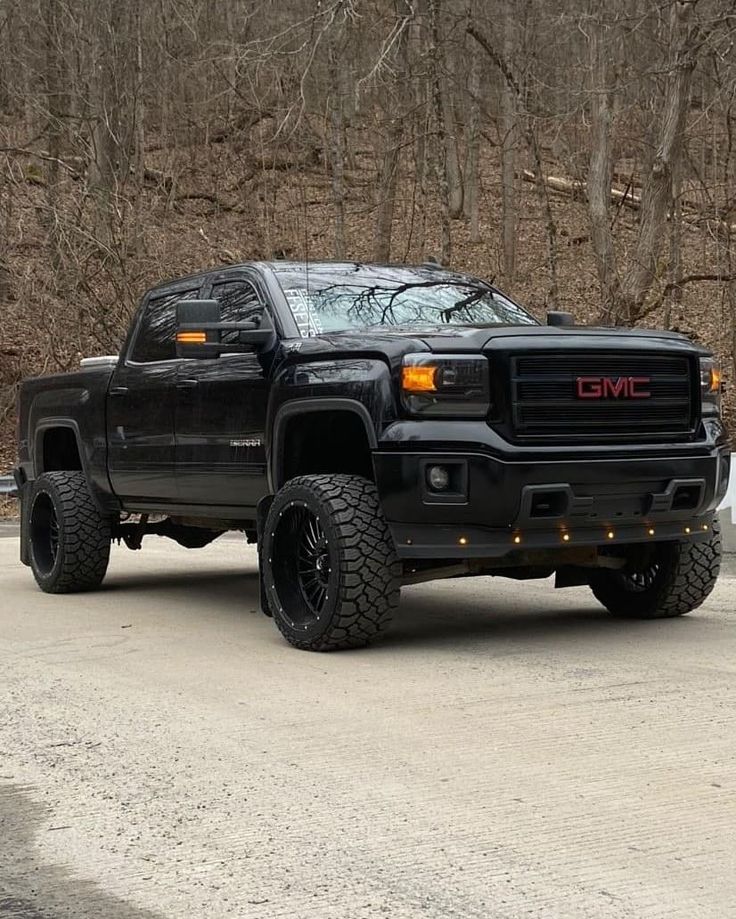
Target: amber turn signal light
418, 378
191, 338
715, 379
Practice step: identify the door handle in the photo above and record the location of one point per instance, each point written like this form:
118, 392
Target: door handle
119, 391
187, 384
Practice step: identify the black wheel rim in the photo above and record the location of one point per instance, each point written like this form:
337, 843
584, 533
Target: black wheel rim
313, 561
641, 579
44, 533
302, 565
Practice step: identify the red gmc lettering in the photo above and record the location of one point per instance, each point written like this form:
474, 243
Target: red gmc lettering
612, 387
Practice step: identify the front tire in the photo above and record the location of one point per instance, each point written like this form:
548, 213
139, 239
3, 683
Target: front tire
69, 538
330, 571
671, 580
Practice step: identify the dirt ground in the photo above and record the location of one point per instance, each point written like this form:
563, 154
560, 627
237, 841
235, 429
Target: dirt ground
506, 751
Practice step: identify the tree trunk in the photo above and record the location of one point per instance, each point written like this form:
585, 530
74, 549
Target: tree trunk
53, 89
530, 135
674, 266
139, 149
440, 132
387, 190
105, 135
509, 141
600, 173
657, 191
6, 36
388, 172
470, 201
447, 134
337, 148
6, 215
452, 160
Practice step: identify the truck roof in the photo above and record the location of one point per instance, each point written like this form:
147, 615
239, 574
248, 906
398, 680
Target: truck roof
298, 264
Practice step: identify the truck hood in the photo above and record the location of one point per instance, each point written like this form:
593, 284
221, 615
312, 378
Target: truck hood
555, 338
471, 339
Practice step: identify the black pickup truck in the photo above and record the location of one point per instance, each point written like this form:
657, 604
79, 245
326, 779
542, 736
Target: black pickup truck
371, 426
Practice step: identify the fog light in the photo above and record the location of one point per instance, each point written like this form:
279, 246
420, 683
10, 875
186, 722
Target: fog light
438, 478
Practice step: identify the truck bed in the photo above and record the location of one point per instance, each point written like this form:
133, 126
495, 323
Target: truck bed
75, 400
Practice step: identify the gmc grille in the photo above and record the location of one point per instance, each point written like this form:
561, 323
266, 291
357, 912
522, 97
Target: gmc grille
546, 404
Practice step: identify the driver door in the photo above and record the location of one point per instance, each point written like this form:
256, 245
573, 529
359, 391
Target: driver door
221, 408
142, 402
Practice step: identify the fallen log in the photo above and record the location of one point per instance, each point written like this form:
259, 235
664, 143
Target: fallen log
575, 188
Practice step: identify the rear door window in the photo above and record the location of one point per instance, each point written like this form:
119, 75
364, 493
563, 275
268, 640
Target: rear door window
155, 339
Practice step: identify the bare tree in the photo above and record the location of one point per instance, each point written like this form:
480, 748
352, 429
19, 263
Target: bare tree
658, 188
472, 170
600, 171
336, 103
106, 153
532, 139
509, 142
395, 114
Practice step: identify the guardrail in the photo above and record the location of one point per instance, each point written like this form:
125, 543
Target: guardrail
8, 488
729, 502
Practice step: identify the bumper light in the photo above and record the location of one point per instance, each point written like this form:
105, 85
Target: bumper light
438, 478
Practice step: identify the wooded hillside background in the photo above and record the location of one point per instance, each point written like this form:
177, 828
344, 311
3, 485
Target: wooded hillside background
579, 152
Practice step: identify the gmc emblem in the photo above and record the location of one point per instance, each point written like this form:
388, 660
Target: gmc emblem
612, 387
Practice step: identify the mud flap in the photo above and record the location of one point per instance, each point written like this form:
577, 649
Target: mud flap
572, 576
264, 505
25, 544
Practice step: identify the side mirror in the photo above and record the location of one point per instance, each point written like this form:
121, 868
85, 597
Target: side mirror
199, 329
557, 317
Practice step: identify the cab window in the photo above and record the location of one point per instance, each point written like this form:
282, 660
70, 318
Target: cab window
155, 340
239, 302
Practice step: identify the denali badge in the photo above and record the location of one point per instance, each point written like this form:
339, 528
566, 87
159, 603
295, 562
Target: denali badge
612, 387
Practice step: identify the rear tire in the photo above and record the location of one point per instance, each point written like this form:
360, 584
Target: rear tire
330, 571
675, 579
69, 539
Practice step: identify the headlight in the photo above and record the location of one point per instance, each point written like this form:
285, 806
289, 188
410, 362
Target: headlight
710, 385
447, 386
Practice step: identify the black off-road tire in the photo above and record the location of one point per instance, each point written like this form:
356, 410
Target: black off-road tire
344, 593
69, 538
677, 578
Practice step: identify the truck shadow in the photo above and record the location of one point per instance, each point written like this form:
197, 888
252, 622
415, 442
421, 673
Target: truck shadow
424, 618
426, 621
33, 889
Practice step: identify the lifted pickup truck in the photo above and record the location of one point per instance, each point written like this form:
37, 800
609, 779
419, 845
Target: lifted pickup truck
372, 426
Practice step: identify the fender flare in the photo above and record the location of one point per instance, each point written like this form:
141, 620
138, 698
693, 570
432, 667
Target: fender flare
41, 428
36, 460
37, 455
303, 407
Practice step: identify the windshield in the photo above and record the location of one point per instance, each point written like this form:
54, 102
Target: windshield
332, 298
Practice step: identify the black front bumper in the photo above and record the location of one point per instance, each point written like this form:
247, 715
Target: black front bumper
505, 505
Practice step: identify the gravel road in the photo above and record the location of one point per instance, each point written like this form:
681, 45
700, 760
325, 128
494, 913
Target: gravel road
506, 751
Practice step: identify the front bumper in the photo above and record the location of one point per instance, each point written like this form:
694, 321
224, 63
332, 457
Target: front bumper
505, 506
